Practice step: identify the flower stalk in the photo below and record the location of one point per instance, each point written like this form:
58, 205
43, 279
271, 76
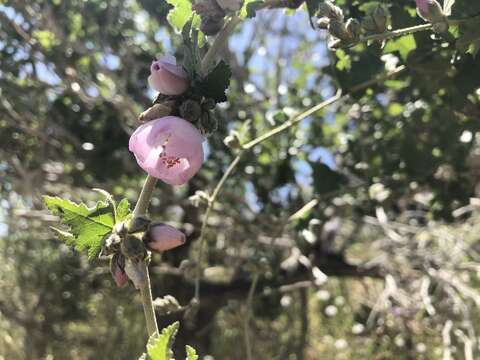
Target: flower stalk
145, 288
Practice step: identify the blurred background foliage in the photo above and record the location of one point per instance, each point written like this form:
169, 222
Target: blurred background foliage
390, 177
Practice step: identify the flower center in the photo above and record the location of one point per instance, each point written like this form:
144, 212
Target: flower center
168, 161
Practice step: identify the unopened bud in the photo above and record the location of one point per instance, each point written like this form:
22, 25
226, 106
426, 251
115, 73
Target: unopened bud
211, 25
162, 237
233, 141
230, 5
329, 10
117, 266
208, 104
191, 312
199, 197
338, 29
166, 305
380, 17
208, 8
111, 244
190, 110
133, 248
156, 111
323, 23
138, 224
440, 27
208, 123
430, 10
354, 29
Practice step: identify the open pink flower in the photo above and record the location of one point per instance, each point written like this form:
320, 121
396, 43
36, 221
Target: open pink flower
169, 149
164, 237
167, 77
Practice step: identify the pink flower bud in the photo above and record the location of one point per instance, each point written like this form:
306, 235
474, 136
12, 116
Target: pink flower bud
169, 149
164, 237
117, 271
167, 77
430, 10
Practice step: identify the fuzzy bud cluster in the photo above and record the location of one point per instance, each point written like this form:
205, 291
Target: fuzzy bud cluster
130, 242
346, 32
212, 13
376, 22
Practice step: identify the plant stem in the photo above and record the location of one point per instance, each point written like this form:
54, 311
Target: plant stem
146, 289
246, 324
392, 34
147, 301
211, 202
145, 196
218, 43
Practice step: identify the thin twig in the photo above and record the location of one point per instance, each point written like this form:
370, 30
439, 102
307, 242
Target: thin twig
211, 203
288, 124
248, 311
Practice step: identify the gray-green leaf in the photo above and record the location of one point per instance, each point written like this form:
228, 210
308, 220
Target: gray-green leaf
191, 353
88, 226
160, 347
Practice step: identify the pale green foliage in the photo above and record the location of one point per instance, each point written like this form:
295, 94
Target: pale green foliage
180, 14
191, 353
87, 225
160, 347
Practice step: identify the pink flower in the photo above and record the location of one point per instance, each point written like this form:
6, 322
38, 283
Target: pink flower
167, 77
169, 149
164, 237
430, 10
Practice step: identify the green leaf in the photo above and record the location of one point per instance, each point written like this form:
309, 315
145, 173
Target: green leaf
249, 8
123, 210
160, 347
215, 84
88, 226
403, 45
191, 353
46, 39
179, 14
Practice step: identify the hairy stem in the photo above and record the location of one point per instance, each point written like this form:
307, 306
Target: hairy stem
211, 202
406, 31
219, 43
146, 289
145, 196
147, 301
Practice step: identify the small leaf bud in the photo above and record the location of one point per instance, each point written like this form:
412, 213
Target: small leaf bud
329, 10
338, 29
354, 28
380, 17
323, 23
190, 110
156, 111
